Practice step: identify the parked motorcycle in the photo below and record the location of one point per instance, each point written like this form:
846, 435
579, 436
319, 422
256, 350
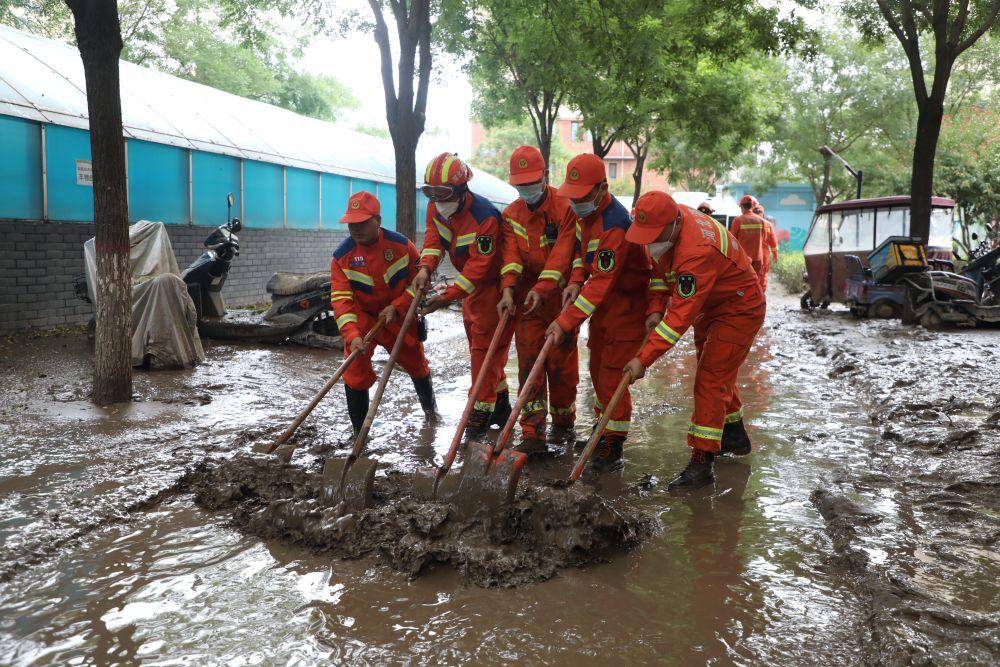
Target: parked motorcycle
300, 303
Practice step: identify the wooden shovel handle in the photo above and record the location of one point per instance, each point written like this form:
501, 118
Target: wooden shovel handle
601, 425
477, 385
359, 442
522, 395
369, 337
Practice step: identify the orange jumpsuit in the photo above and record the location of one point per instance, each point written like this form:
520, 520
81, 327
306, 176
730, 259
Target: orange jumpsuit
749, 231
473, 241
364, 279
770, 252
537, 253
711, 285
615, 297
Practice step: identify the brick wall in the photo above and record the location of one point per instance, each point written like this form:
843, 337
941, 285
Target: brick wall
38, 262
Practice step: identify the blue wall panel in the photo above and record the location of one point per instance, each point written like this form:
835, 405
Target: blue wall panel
302, 208
263, 192
335, 194
215, 176
359, 184
422, 203
67, 200
20, 169
387, 197
157, 183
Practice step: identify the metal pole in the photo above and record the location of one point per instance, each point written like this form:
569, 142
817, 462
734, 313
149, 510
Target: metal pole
319, 177
284, 197
45, 179
861, 177
243, 212
191, 187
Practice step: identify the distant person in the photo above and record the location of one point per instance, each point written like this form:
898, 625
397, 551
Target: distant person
715, 289
539, 232
748, 228
370, 276
770, 241
467, 227
706, 208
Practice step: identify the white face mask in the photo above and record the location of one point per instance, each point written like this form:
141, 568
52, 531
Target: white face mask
658, 250
531, 193
446, 208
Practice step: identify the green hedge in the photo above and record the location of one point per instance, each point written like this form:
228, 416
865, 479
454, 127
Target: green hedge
790, 271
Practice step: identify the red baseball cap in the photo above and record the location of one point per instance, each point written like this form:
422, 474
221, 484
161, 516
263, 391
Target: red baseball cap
748, 201
582, 173
653, 211
360, 207
526, 165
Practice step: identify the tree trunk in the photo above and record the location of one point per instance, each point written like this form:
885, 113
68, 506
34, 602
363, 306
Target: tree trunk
406, 184
640, 161
931, 115
98, 36
545, 142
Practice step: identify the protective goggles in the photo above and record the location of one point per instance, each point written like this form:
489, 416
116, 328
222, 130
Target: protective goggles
438, 192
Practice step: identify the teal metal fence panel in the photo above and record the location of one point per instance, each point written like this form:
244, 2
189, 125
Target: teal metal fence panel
302, 198
20, 169
262, 194
157, 183
215, 176
387, 197
336, 190
71, 195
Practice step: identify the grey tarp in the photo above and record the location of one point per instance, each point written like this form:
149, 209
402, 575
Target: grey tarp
164, 321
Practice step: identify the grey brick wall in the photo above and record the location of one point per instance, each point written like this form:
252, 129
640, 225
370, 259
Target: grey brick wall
38, 262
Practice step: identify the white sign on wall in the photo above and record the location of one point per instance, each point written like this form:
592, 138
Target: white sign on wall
84, 173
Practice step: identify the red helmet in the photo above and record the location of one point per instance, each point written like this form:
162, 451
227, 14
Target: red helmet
443, 174
748, 201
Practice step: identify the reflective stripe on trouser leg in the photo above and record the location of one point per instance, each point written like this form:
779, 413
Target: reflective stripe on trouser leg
714, 387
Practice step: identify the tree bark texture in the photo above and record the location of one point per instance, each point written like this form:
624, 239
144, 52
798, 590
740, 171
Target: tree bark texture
98, 36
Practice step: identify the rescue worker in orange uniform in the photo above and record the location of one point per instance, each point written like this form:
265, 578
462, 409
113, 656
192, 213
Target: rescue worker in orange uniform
538, 243
770, 242
706, 208
370, 276
748, 228
467, 227
712, 286
609, 285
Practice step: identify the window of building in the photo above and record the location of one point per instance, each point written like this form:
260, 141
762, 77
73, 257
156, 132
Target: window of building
574, 131
612, 170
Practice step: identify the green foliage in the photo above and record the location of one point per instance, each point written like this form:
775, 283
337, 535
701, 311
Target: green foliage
790, 270
373, 130
493, 155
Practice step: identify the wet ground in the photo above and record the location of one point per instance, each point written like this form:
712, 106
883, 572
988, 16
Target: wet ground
863, 529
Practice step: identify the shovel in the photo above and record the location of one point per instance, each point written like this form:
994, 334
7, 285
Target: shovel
426, 481
602, 424
493, 469
284, 452
351, 480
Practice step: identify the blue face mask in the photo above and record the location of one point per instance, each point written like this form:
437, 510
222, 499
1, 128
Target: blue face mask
531, 194
585, 208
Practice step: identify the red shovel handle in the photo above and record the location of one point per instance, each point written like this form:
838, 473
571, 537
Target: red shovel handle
477, 385
522, 395
602, 424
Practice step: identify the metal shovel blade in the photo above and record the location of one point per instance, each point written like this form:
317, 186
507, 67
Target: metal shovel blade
434, 484
348, 481
284, 453
488, 481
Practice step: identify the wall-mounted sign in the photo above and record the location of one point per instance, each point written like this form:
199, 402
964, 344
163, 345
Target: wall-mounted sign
84, 173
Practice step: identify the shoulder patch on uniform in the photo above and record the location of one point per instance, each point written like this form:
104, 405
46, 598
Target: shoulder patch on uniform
395, 237
484, 244
687, 286
481, 209
615, 216
606, 260
345, 247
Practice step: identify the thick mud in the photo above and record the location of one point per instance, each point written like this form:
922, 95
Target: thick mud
862, 530
542, 531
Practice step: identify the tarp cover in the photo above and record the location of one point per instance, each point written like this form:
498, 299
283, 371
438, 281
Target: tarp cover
164, 320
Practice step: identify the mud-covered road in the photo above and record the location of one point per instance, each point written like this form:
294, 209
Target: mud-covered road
864, 529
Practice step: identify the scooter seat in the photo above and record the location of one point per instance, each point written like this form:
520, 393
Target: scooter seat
284, 284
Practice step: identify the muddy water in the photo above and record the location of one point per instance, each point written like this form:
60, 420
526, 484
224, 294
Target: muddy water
102, 562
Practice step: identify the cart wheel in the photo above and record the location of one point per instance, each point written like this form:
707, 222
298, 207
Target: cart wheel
806, 302
930, 319
884, 309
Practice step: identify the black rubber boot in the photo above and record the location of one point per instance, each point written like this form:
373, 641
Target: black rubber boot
700, 471
735, 440
425, 392
478, 422
532, 446
608, 454
357, 407
501, 409
580, 444
561, 435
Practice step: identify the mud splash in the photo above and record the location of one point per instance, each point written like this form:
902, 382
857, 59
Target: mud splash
543, 531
